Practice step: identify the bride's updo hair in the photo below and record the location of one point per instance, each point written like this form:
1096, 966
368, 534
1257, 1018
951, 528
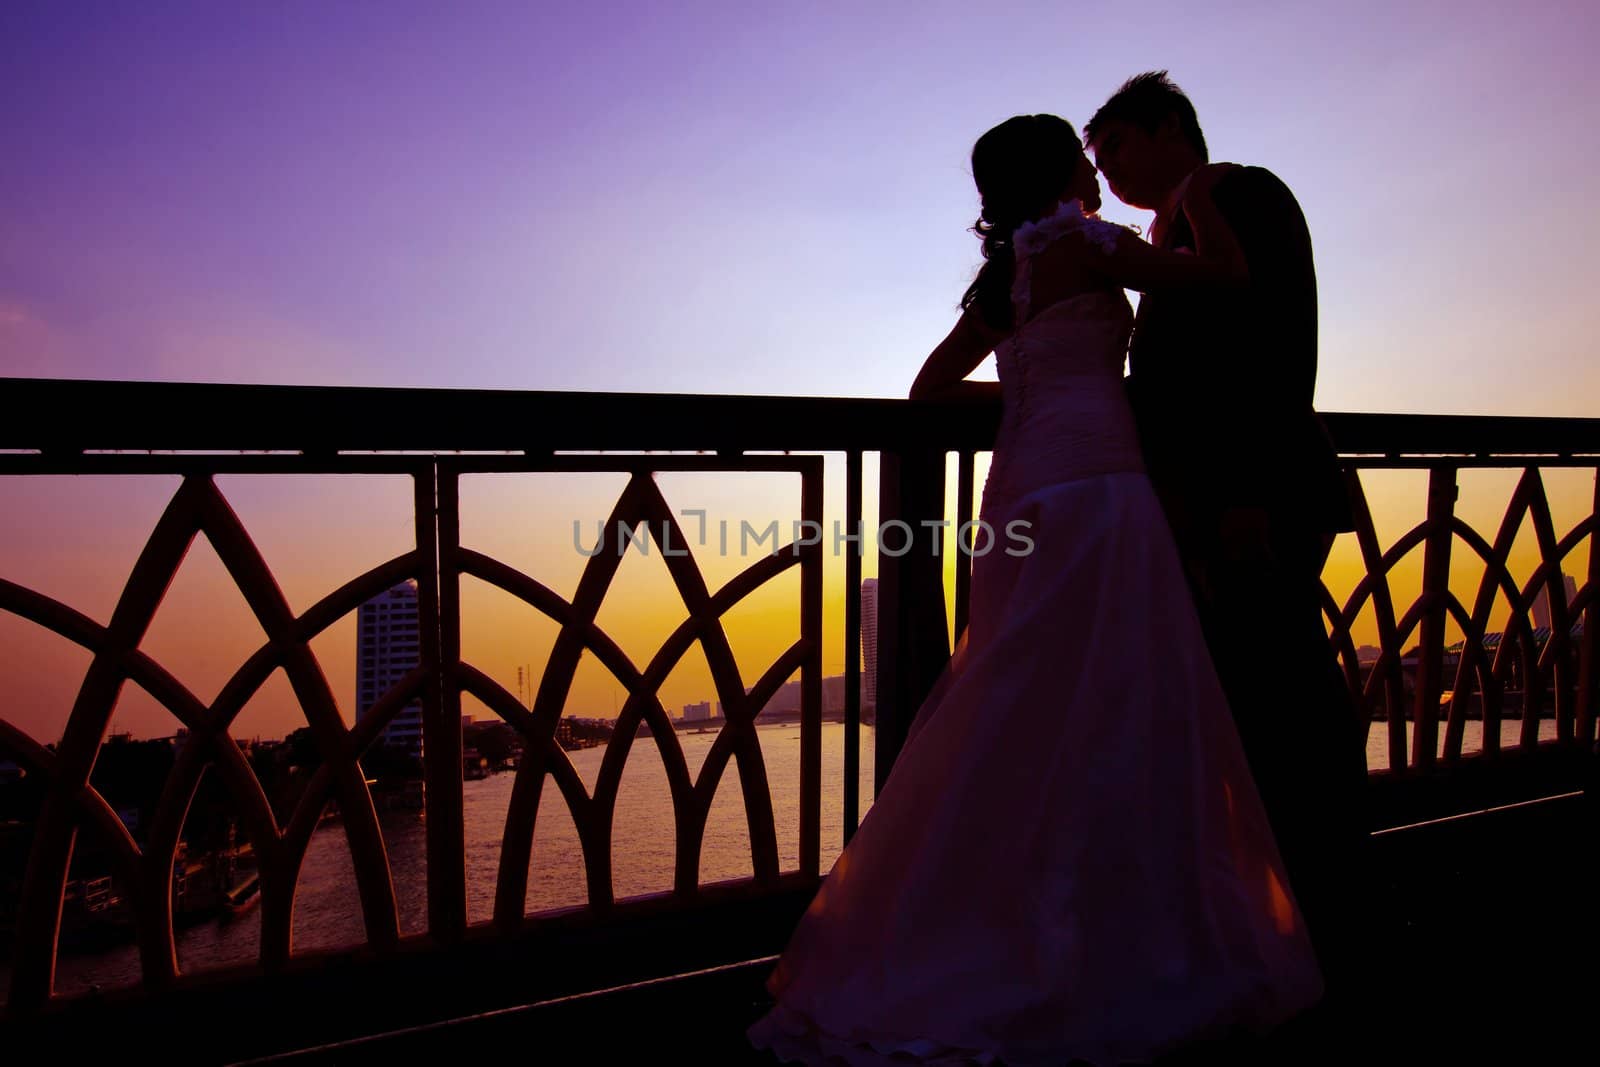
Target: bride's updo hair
1021, 168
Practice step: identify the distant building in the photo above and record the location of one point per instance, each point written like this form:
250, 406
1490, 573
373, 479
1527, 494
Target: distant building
1368, 654
1542, 616
387, 648
787, 698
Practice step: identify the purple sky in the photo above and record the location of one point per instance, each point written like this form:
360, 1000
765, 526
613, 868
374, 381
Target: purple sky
749, 197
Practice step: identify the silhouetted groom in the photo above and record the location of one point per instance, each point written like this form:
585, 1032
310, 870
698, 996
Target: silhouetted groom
1221, 387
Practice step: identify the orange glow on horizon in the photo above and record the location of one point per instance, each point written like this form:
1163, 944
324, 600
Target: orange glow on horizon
76, 539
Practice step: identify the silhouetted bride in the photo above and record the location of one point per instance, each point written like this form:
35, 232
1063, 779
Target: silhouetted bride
1069, 860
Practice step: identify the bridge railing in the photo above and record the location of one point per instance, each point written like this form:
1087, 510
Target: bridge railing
1416, 685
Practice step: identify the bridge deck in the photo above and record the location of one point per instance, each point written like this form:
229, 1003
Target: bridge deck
1483, 942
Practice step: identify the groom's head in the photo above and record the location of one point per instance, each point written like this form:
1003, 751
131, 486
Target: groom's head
1145, 139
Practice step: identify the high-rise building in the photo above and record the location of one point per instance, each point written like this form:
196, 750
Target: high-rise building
1541, 603
697, 712
869, 641
387, 647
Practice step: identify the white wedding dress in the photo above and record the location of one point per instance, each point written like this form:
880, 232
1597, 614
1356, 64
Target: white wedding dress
1070, 859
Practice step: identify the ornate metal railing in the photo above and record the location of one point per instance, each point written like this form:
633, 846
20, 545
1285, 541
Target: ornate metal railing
1416, 683
434, 437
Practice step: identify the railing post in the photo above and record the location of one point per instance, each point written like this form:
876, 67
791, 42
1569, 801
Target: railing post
1589, 643
913, 639
438, 536
811, 677
1435, 590
852, 646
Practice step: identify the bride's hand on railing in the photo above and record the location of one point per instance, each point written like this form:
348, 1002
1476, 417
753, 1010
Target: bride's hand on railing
963, 390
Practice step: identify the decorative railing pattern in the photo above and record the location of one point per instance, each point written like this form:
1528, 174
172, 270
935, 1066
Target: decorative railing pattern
1566, 659
440, 680
145, 876
641, 505
1405, 687
308, 431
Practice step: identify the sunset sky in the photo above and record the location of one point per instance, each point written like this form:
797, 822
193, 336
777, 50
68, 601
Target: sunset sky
711, 198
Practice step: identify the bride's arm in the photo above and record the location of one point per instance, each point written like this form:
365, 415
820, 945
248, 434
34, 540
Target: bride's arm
1218, 260
967, 345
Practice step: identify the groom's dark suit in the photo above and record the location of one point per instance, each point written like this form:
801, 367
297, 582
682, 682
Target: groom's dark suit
1221, 385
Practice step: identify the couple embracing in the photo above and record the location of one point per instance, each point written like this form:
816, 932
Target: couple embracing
1127, 819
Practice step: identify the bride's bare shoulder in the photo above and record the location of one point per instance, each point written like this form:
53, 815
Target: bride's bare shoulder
1064, 268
